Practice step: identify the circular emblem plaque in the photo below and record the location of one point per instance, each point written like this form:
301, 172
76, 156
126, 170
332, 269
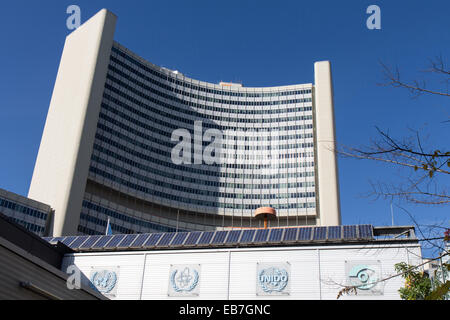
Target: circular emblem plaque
273, 279
104, 281
363, 277
185, 280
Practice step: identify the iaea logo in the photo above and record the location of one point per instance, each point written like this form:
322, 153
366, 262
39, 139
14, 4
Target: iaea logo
185, 280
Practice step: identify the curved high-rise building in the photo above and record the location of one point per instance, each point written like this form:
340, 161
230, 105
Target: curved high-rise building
150, 149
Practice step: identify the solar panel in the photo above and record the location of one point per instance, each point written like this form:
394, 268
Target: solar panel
192, 238
78, 241
219, 237
179, 239
349, 232
206, 237
365, 231
128, 240
290, 234
115, 241
165, 239
334, 233
58, 239
304, 234
90, 242
261, 235
153, 239
184, 238
320, 233
67, 241
140, 240
275, 235
233, 236
102, 242
247, 236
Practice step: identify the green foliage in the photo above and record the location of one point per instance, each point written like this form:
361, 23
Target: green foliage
418, 286
440, 292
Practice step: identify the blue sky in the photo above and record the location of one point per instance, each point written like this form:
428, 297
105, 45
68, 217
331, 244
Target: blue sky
259, 43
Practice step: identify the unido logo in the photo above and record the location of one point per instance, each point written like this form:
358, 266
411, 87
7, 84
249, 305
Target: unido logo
213, 146
273, 279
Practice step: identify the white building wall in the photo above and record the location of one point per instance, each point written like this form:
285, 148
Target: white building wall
315, 272
213, 278
332, 267
304, 282
130, 268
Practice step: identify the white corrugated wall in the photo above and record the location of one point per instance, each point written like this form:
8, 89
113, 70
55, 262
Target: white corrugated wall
317, 272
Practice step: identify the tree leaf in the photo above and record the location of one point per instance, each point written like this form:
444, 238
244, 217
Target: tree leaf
439, 292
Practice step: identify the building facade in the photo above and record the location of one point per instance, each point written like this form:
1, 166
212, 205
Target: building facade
153, 150
32, 215
279, 263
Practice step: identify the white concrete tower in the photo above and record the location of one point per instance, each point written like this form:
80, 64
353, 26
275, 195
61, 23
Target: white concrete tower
327, 172
64, 156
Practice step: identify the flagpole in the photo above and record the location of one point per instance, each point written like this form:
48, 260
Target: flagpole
108, 228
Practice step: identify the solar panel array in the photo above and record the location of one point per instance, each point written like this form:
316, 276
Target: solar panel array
247, 237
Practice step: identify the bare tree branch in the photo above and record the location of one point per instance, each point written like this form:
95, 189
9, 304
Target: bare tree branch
416, 87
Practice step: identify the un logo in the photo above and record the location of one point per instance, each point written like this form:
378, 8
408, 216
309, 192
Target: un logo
273, 279
363, 277
104, 281
185, 280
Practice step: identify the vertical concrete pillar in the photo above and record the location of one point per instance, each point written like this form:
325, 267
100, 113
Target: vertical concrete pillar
62, 164
326, 166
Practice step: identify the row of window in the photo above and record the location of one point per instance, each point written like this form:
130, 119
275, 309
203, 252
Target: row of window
188, 168
199, 88
122, 217
187, 112
206, 193
83, 230
144, 89
169, 125
115, 71
203, 116
190, 111
225, 151
24, 209
167, 154
178, 198
228, 136
30, 226
171, 175
296, 155
84, 218
192, 169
